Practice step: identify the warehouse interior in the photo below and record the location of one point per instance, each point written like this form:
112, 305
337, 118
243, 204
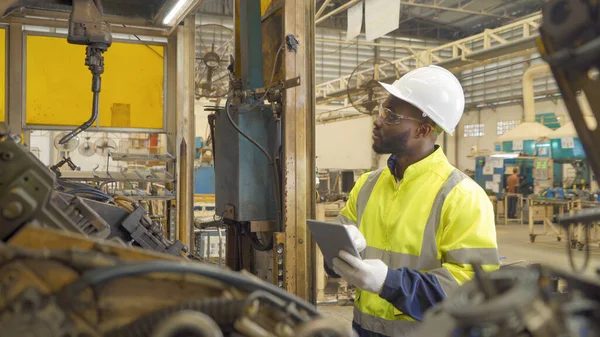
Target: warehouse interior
160, 159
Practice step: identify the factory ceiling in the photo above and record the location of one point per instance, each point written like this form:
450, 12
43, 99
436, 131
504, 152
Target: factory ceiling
444, 19
146, 10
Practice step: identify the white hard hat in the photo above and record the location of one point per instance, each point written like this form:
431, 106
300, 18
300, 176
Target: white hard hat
433, 90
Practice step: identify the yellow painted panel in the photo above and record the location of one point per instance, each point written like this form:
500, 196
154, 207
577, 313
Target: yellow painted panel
59, 84
2, 75
264, 5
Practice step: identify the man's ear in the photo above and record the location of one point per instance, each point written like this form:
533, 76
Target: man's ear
425, 130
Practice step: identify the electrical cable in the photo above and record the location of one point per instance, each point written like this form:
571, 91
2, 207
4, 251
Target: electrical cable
237, 128
67, 295
90, 191
273, 70
137, 37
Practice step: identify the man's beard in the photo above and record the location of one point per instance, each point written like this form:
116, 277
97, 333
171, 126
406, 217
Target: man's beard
395, 145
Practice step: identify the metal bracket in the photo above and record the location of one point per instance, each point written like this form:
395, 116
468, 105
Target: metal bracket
229, 212
292, 82
292, 42
279, 260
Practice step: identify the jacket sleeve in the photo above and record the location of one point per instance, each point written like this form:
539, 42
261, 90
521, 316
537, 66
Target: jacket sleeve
467, 234
348, 215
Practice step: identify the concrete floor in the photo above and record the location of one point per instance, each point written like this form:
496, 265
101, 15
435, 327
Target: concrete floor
514, 244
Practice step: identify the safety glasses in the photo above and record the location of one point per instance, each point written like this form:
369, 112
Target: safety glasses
390, 117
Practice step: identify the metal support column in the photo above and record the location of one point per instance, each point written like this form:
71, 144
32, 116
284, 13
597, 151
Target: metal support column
251, 44
299, 154
15, 72
171, 103
180, 123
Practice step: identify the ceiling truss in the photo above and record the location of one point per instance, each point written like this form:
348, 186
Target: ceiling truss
462, 54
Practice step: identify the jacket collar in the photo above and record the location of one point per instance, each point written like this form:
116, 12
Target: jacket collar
427, 164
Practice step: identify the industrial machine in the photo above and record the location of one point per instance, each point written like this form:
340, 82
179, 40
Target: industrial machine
526, 301
543, 175
65, 278
77, 262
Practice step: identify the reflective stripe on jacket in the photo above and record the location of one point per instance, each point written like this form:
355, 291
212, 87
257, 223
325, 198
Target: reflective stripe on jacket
427, 228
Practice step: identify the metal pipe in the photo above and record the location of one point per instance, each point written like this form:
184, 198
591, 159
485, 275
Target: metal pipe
337, 10
322, 9
528, 89
96, 80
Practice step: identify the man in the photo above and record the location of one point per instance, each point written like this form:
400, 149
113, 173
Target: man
419, 222
513, 183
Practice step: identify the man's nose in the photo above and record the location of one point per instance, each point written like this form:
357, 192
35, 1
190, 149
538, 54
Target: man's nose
377, 122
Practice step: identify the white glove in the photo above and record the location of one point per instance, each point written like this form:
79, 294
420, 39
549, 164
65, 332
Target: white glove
368, 275
359, 240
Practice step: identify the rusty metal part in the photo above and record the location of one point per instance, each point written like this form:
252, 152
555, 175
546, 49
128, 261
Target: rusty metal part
37, 259
190, 323
33, 314
322, 327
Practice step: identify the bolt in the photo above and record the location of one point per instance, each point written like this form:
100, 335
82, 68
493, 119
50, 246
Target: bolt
13, 210
6, 156
593, 74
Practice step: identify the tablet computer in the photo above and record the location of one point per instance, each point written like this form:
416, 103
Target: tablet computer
331, 238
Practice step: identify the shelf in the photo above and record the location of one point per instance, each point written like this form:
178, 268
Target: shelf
141, 157
145, 196
131, 176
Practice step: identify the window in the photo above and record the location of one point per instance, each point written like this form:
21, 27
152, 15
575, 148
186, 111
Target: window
473, 130
505, 126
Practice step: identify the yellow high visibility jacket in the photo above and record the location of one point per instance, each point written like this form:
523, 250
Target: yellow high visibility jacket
428, 228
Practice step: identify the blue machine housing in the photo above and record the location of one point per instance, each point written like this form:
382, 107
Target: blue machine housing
204, 180
576, 152
244, 176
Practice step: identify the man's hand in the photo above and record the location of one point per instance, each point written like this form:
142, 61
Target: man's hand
368, 275
359, 240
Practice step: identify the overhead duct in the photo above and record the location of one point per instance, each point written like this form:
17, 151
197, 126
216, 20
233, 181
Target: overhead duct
529, 129
568, 130
528, 89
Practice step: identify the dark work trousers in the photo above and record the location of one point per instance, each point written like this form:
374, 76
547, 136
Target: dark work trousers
512, 207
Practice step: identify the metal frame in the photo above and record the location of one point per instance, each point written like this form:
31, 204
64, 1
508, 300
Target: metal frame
335, 11
299, 150
437, 5
115, 20
520, 205
63, 23
5, 27
185, 129
373, 44
465, 53
14, 73
96, 127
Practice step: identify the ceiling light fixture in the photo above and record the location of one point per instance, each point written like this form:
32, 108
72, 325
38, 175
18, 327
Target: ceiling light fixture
505, 155
175, 11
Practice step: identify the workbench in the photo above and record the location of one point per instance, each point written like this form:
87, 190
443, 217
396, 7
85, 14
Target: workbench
549, 227
520, 207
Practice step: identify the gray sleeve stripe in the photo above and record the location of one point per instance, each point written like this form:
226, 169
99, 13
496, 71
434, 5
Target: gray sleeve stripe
341, 219
468, 255
447, 281
429, 249
365, 193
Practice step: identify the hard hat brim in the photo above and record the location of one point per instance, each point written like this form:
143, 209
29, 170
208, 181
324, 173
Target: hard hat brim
396, 93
